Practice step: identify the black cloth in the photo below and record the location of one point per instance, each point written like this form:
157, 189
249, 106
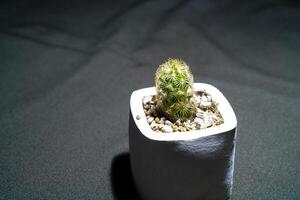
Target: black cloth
67, 69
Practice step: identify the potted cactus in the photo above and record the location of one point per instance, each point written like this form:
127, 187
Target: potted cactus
181, 137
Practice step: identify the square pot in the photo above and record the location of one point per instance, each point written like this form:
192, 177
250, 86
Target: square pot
182, 165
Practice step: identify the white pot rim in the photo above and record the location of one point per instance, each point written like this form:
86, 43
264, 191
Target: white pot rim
136, 106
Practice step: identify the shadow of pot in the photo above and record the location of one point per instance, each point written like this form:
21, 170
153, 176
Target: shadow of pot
121, 178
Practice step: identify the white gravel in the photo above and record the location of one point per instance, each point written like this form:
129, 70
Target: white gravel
206, 116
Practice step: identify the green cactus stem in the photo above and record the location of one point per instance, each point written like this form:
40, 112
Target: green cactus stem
174, 87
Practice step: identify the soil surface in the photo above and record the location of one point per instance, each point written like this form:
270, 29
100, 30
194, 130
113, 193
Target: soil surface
207, 115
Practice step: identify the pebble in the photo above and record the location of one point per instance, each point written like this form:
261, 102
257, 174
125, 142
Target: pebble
151, 102
151, 110
146, 106
162, 120
187, 123
161, 126
209, 98
157, 120
198, 120
205, 104
200, 115
153, 124
146, 99
167, 129
208, 122
167, 122
178, 122
204, 98
150, 119
198, 99
182, 129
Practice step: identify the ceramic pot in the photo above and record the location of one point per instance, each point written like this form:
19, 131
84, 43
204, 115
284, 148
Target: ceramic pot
182, 165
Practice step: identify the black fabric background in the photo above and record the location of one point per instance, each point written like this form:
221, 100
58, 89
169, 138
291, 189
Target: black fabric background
67, 69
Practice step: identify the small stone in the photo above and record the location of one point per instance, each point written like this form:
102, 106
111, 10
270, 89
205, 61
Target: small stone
209, 98
213, 117
161, 126
150, 119
167, 122
205, 104
187, 123
154, 113
146, 99
204, 98
181, 128
198, 99
198, 120
151, 102
188, 128
157, 120
151, 110
178, 122
146, 106
208, 122
162, 120
153, 125
148, 112
167, 129
200, 115
203, 126
152, 107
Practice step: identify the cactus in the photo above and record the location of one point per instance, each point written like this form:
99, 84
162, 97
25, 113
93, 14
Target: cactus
174, 87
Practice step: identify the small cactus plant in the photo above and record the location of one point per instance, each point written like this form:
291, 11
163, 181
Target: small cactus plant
174, 87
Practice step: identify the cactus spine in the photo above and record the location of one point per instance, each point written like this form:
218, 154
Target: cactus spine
174, 87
